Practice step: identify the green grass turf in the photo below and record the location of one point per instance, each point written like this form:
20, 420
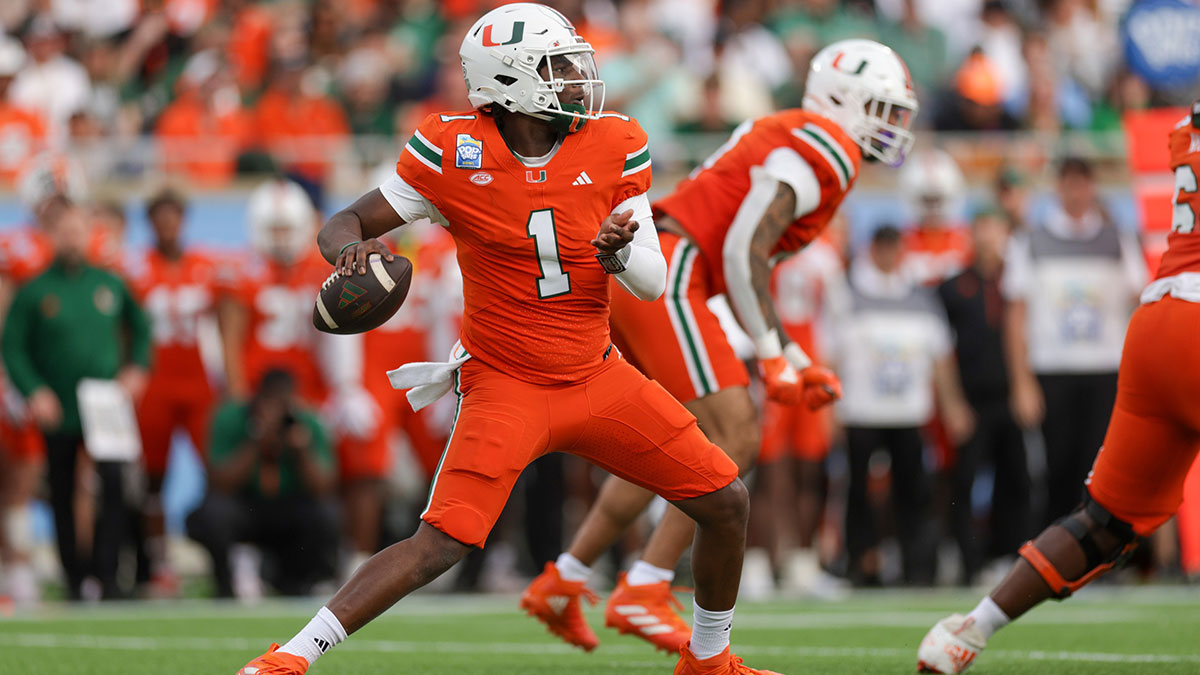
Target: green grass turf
1128, 630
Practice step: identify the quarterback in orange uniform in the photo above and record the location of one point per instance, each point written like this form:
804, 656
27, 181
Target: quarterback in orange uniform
769, 191
176, 287
544, 196
1136, 483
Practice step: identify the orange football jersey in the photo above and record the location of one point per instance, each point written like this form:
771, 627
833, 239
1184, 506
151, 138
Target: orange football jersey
706, 202
175, 294
932, 255
1183, 244
26, 252
280, 333
536, 299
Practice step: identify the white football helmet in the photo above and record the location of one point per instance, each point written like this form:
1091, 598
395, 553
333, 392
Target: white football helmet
932, 182
520, 56
282, 218
865, 87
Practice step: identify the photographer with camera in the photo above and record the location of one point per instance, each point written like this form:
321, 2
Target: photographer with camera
271, 477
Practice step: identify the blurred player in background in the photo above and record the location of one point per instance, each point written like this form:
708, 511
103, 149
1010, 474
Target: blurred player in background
266, 324
936, 246
523, 183
176, 287
769, 191
1136, 482
796, 440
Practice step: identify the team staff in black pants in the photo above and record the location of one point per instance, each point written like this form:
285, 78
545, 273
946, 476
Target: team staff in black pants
975, 309
1071, 281
891, 347
76, 321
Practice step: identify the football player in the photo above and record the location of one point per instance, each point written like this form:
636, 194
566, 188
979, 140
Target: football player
1136, 482
796, 440
936, 247
175, 285
266, 324
768, 191
545, 197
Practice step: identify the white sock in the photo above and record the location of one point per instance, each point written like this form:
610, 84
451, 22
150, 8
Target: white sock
571, 568
710, 631
988, 617
643, 574
318, 637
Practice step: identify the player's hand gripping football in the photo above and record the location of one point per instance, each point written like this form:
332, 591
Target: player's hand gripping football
815, 386
353, 258
615, 232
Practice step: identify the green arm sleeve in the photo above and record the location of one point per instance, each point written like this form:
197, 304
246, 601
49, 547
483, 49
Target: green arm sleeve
139, 329
15, 344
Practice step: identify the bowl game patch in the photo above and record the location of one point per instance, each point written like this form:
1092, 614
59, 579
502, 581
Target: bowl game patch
468, 152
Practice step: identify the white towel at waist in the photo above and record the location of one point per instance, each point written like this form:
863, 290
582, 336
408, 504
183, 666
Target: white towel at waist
428, 381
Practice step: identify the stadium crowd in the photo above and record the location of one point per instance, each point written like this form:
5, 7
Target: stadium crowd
969, 402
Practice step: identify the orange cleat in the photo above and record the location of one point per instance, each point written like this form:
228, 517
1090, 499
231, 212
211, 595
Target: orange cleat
724, 663
275, 663
555, 602
650, 612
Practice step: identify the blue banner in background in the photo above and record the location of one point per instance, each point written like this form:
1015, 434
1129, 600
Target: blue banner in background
1162, 42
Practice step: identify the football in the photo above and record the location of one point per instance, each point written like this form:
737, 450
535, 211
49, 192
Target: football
358, 303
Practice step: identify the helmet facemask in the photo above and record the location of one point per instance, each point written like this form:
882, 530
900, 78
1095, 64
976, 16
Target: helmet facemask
886, 133
570, 69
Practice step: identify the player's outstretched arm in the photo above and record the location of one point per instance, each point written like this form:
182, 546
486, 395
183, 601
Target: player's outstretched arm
628, 235
352, 234
770, 207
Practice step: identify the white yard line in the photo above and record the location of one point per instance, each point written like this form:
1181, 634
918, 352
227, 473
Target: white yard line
140, 643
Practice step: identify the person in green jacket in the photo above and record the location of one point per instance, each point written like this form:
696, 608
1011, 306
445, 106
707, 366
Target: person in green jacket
75, 321
271, 480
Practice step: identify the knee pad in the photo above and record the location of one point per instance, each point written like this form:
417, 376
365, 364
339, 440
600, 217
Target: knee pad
1098, 561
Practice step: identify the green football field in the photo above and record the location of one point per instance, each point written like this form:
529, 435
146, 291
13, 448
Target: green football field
1130, 630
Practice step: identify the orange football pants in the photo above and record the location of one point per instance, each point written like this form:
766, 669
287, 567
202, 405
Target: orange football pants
615, 418
1154, 432
676, 340
170, 404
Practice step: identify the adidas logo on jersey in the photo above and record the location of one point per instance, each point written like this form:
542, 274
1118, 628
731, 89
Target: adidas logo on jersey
582, 179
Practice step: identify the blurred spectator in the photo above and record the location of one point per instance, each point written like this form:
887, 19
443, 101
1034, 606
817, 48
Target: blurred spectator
827, 20
1000, 40
958, 20
746, 46
975, 102
76, 321
975, 309
1082, 47
796, 440
1071, 281
1012, 197
175, 285
271, 473
50, 83
250, 43
22, 131
644, 79
922, 47
892, 352
298, 124
202, 131
937, 246
94, 18
365, 82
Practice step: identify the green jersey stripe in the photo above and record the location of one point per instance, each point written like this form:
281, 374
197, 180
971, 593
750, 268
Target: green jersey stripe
637, 160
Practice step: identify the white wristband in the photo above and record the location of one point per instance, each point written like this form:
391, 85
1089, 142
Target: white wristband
796, 356
767, 346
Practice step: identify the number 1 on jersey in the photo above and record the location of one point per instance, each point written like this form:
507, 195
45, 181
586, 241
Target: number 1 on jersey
554, 281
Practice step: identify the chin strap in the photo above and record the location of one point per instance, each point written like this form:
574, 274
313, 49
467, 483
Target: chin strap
1098, 562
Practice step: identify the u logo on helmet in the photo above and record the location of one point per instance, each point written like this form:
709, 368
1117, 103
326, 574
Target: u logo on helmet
857, 71
518, 32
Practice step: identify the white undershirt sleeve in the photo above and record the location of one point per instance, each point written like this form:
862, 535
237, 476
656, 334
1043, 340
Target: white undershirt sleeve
783, 165
645, 274
409, 204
